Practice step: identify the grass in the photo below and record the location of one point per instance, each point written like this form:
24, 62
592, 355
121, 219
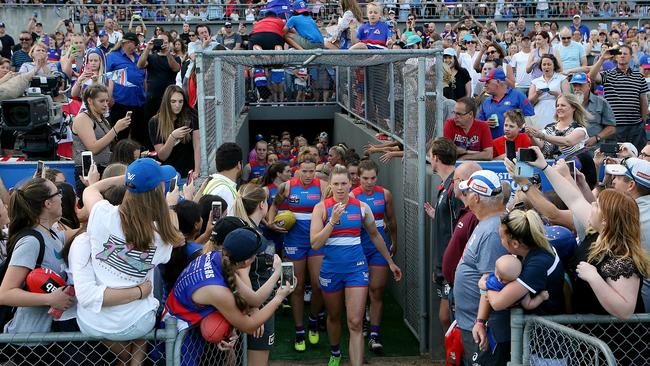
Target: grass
398, 341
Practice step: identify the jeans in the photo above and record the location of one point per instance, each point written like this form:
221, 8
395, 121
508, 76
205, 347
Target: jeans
542, 13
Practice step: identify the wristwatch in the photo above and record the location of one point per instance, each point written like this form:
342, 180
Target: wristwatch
525, 187
598, 138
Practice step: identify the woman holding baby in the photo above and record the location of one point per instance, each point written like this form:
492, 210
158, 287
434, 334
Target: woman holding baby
536, 281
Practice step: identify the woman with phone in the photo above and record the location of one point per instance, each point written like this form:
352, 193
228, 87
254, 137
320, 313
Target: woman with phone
545, 89
251, 205
93, 71
92, 133
380, 201
568, 133
174, 133
302, 193
336, 229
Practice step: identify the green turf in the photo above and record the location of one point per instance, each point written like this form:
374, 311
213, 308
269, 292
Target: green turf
396, 338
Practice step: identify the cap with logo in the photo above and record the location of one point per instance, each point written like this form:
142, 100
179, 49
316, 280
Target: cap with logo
580, 78
242, 244
130, 36
299, 6
495, 74
644, 62
144, 175
103, 33
449, 52
323, 136
483, 182
633, 168
228, 24
631, 148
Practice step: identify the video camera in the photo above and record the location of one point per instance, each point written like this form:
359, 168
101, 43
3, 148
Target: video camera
36, 118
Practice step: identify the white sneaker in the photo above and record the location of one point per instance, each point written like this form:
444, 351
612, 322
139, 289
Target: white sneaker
375, 346
307, 296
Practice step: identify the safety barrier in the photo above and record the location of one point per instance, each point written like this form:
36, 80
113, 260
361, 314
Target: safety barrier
191, 349
579, 339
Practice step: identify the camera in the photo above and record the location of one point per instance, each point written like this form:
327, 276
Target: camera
157, 45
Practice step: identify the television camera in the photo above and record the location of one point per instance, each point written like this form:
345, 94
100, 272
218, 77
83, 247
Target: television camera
36, 119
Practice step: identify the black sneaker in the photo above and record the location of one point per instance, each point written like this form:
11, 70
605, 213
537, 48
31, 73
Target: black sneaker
322, 323
375, 346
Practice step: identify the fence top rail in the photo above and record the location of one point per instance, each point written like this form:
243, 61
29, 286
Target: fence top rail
595, 342
324, 52
594, 319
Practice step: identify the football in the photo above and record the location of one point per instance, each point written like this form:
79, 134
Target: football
214, 327
285, 219
43, 281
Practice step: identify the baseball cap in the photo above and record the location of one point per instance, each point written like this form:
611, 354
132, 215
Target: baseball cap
413, 39
644, 62
562, 240
228, 24
468, 38
299, 6
225, 226
130, 36
641, 30
391, 11
449, 52
631, 148
633, 168
242, 244
323, 136
259, 137
144, 175
483, 182
2, 24
580, 78
495, 74
576, 16
103, 33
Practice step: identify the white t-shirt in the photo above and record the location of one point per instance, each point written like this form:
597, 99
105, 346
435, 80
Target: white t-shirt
116, 265
224, 187
467, 62
519, 62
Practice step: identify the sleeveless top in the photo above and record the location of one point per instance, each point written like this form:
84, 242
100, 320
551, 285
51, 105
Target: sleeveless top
257, 170
377, 203
273, 191
101, 129
343, 250
202, 271
537, 56
301, 201
549, 149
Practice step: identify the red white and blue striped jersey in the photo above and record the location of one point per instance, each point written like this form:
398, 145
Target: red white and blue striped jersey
259, 76
343, 251
375, 34
202, 271
257, 169
376, 201
301, 201
273, 191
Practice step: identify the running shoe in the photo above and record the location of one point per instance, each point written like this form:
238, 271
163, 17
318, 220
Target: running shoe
375, 346
313, 336
307, 297
334, 360
300, 346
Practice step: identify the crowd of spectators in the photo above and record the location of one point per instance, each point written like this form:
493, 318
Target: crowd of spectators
563, 92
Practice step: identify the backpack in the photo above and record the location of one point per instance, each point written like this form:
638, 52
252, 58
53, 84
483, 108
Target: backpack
7, 312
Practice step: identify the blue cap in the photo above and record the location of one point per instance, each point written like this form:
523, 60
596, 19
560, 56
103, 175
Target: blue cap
562, 239
242, 244
468, 38
300, 6
259, 137
144, 175
495, 74
413, 39
103, 33
644, 62
580, 78
483, 182
642, 30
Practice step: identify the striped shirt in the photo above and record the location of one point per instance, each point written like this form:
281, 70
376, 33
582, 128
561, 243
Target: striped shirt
622, 91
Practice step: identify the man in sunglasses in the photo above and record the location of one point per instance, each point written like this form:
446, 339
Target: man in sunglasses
570, 53
632, 177
22, 55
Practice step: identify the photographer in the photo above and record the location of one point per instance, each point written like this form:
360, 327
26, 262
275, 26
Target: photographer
162, 67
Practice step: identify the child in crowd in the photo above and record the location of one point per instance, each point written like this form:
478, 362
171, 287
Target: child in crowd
303, 32
507, 269
374, 33
513, 122
261, 84
277, 85
301, 80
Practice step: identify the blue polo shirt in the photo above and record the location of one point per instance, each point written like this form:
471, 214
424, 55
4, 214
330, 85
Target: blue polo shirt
514, 99
130, 96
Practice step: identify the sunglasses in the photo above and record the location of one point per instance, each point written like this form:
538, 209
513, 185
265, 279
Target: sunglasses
466, 42
192, 35
460, 114
565, 38
25, 39
490, 52
59, 192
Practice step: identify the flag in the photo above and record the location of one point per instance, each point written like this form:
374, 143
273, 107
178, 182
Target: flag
119, 77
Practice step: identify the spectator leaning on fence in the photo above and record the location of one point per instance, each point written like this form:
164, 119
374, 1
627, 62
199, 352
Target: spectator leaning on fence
471, 136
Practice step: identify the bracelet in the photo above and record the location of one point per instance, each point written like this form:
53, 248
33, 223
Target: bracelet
544, 168
482, 323
139, 289
115, 132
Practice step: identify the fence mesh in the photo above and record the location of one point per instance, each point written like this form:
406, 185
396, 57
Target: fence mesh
552, 344
193, 350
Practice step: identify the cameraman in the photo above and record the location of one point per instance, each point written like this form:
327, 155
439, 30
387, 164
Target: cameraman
162, 67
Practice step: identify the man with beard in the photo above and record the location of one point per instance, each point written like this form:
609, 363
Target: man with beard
602, 124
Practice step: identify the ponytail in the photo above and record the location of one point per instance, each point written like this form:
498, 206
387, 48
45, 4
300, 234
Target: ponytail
527, 228
228, 270
25, 206
248, 199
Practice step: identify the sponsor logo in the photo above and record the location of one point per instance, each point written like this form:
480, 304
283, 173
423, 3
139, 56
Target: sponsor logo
271, 339
378, 202
313, 196
479, 188
354, 216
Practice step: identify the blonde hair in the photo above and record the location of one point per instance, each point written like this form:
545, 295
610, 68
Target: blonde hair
142, 215
337, 170
248, 199
447, 75
621, 235
580, 114
375, 5
526, 227
35, 46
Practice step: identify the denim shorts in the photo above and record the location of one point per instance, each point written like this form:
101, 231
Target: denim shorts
136, 331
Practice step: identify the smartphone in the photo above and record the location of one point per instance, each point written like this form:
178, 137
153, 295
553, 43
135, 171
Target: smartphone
216, 211
190, 179
128, 114
86, 162
609, 149
523, 169
614, 51
39, 168
173, 183
526, 154
545, 90
287, 274
572, 168
511, 153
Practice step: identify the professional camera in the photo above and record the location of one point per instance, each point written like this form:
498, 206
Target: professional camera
36, 118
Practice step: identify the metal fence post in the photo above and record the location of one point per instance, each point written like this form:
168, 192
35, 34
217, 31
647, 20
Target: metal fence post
218, 101
350, 98
337, 87
365, 93
517, 321
391, 96
200, 90
421, 137
440, 118
170, 340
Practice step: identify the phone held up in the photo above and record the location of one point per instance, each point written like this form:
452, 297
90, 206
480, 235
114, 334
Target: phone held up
287, 274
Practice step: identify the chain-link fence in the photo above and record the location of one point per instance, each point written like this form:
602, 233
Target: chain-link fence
569, 339
74, 348
192, 350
